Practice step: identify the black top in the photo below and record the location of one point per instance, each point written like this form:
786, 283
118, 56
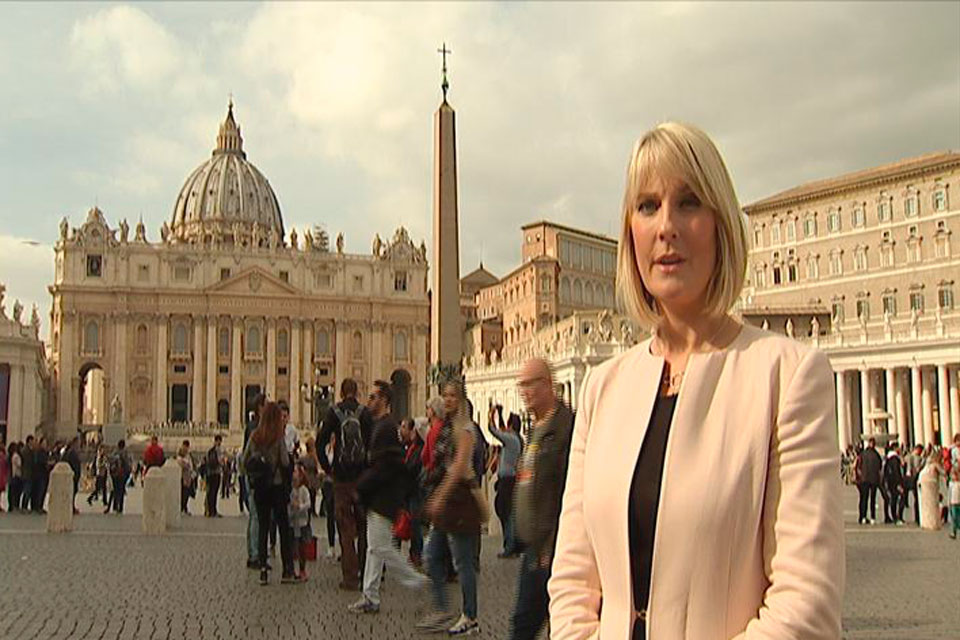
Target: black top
644, 501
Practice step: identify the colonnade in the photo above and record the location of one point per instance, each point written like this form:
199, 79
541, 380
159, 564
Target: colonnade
919, 404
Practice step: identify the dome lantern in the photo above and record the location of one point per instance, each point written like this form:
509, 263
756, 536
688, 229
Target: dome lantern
226, 200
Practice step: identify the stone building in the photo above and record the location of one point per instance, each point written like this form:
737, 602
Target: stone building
557, 304
24, 397
228, 304
873, 255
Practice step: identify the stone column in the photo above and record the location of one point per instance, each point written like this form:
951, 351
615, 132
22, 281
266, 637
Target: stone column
419, 342
843, 427
943, 403
915, 393
197, 393
15, 401
341, 366
954, 400
376, 350
68, 402
309, 340
211, 390
272, 359
866, 393
120, 385
900, 406
296, 402
893, 425
160, 384
236, 409
926, 401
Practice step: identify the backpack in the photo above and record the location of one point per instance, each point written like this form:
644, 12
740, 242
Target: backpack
352, 452
116, 467
258, 471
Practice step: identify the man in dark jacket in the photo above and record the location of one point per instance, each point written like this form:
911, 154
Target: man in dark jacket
893, 486
351, 425
870, 466
28, 461
214, 465
538, 493
41, 476
72, 457
383, 490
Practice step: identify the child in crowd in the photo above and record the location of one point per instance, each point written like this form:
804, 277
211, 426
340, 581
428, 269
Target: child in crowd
953, 491
300, 519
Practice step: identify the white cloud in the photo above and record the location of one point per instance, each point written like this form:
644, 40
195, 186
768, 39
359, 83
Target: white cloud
27, 269
123, 45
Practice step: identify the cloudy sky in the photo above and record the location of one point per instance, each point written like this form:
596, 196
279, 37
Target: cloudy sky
115, 104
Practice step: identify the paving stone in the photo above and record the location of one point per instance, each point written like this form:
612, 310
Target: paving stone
108, 581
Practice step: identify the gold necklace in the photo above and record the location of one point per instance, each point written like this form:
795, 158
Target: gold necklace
671, 382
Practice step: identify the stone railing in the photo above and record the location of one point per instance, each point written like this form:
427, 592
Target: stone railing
179, 429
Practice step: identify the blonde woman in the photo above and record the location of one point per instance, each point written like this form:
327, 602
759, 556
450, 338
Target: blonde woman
702, 499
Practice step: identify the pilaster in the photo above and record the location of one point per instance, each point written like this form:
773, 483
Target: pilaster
160, 388
197, 393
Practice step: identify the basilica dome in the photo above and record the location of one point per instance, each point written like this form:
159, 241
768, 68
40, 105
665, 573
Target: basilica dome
226, 199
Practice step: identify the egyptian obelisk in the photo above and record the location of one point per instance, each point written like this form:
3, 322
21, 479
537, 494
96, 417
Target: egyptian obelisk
445, 331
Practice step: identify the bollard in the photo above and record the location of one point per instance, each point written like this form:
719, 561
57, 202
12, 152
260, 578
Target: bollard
930, 502
155, 502
60, 507
174, 475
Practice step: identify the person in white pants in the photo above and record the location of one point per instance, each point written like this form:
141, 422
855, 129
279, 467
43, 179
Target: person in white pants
383, 490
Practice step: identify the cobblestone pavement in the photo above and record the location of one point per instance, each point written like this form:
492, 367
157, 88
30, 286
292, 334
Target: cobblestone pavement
107, 581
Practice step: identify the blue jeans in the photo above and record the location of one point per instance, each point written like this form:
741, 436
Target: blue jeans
463, 546
530, 611
253, 529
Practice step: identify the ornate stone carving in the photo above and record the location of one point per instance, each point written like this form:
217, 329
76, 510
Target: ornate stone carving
17, 311
64, 229
124, 231
377, 245
340, 243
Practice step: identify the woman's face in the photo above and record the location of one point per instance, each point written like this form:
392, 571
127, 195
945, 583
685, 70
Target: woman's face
675, 242
451, 400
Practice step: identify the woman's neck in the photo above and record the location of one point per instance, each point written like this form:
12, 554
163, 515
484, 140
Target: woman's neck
679, 335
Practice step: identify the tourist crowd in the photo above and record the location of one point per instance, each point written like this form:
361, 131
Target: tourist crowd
928, 478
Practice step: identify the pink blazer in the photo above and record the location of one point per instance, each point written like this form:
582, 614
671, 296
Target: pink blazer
749, 539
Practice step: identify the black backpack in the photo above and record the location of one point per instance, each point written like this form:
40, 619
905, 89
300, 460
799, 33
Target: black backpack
353, 453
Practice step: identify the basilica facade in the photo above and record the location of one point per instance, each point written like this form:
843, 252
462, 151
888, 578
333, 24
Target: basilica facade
226, 305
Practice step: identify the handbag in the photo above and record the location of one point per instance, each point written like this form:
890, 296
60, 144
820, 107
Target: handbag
462, 512
402, 525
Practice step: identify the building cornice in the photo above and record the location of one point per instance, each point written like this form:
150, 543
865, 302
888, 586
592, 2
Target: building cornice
831, 187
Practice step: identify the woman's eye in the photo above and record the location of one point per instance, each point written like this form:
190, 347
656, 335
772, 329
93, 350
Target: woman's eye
647, 207
690, 202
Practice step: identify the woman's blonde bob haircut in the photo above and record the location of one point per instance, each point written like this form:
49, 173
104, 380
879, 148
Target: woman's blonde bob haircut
685, 152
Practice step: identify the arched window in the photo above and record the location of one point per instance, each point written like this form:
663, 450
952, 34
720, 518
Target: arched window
400, 346
141, 339
91, 338
588, 294
179, 339
283, 343
323, 342
223, 347
253, 340
577, 292
565, 290
357, 344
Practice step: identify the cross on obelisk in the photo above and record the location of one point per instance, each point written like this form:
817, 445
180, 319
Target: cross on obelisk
444, 85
